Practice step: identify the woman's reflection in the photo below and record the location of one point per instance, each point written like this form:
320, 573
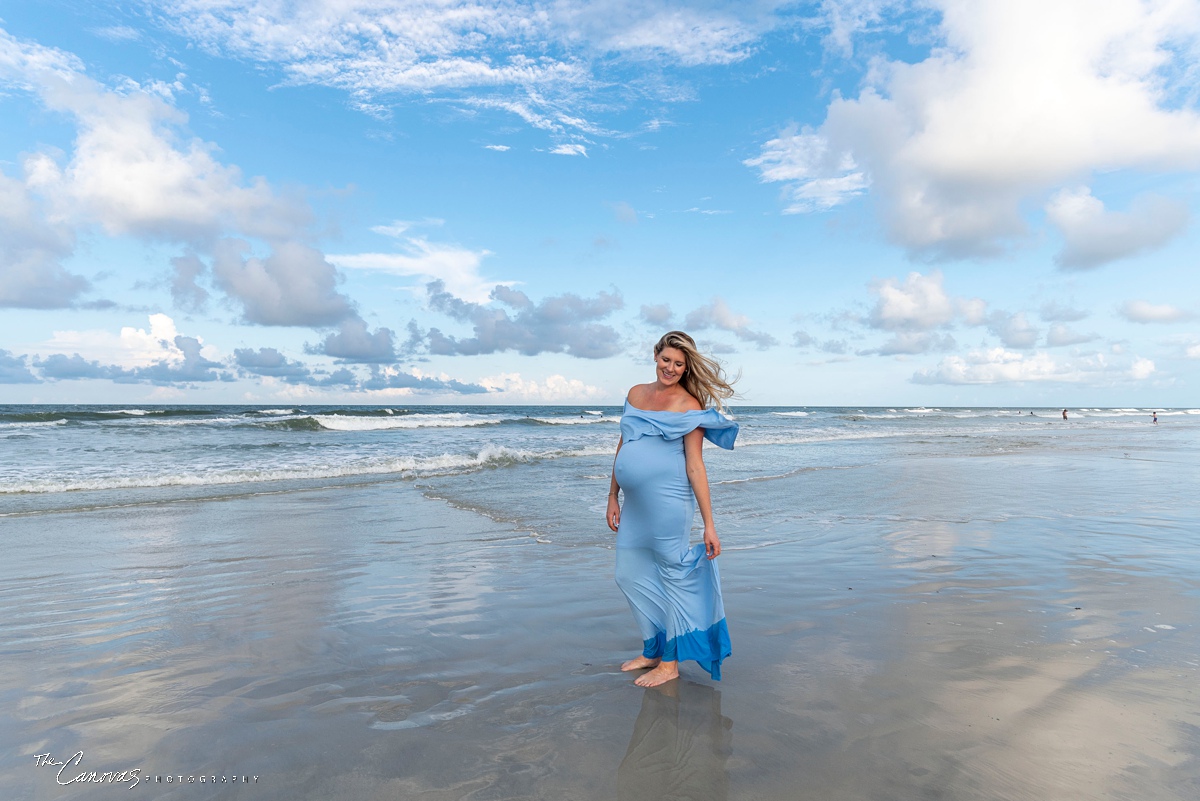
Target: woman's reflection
679, 746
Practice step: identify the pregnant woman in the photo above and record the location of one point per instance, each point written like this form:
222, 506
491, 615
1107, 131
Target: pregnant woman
674, 590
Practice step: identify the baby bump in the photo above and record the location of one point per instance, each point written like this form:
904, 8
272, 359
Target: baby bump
652, 465
658, 501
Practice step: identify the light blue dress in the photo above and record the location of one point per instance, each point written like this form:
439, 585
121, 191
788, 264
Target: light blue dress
674, 590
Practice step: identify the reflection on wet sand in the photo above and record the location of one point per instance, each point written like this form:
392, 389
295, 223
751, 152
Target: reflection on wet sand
679, 748
1007, 662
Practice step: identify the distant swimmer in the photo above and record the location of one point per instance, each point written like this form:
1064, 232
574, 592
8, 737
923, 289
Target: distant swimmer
1155, 418
1064, 414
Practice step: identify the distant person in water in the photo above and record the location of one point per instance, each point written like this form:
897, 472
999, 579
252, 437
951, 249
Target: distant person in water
1155, 418
1064, 414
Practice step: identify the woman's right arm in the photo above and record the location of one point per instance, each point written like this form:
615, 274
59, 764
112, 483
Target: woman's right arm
613, 516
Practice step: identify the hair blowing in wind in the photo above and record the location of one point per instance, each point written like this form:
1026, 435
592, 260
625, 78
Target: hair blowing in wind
703, 379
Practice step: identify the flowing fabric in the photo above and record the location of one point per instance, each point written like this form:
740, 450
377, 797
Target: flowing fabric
674, 590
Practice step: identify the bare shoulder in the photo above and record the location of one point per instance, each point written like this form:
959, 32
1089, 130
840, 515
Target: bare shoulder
643, 396
637, 394
682, 401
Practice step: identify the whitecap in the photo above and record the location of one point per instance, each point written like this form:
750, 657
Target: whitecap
492, 456
196, 421
35, 424
346, 422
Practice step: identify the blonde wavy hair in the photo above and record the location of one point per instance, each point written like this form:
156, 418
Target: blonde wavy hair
703, 377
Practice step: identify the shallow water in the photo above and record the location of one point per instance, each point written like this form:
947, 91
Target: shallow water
989, 609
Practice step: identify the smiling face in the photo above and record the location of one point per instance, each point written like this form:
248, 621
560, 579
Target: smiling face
670, 364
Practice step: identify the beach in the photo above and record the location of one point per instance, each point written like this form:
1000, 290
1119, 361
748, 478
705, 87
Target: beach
923, 604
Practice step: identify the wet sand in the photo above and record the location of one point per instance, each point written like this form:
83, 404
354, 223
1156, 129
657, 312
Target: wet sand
370, 643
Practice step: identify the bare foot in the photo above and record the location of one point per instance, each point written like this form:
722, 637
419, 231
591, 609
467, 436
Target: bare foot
640, 663
667, 671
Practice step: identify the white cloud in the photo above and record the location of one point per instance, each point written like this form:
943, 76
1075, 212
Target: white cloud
570, 150
15, 369
913, 309
1193, 351
1017, 98
397, 228
1002, 366
919, 304
973, 310
517, 55
1060, 335
31, 250
1014, 330
846, 19
456, 266
553, 389
996, 366
911, 343
800, 159
657, 314
1139, 311
717, 314
353, 342
556, 324
392, 379
118, 33
25, 64
129, 349
370, 47
293, 285
1094, 236
499, 148
690, 35
135, 169
1141, 369
33, 239
544, 113
1055, 312
186, 270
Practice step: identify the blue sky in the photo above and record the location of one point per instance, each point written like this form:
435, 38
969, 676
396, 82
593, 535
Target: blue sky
862, 202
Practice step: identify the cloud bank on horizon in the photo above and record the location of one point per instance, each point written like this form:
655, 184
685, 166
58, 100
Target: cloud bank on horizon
865, 201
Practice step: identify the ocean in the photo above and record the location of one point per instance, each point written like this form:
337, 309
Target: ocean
486, 458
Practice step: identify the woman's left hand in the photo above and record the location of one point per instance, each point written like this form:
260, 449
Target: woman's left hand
712, 543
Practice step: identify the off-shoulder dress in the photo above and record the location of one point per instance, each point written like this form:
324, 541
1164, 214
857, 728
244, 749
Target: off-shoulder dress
673, 589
